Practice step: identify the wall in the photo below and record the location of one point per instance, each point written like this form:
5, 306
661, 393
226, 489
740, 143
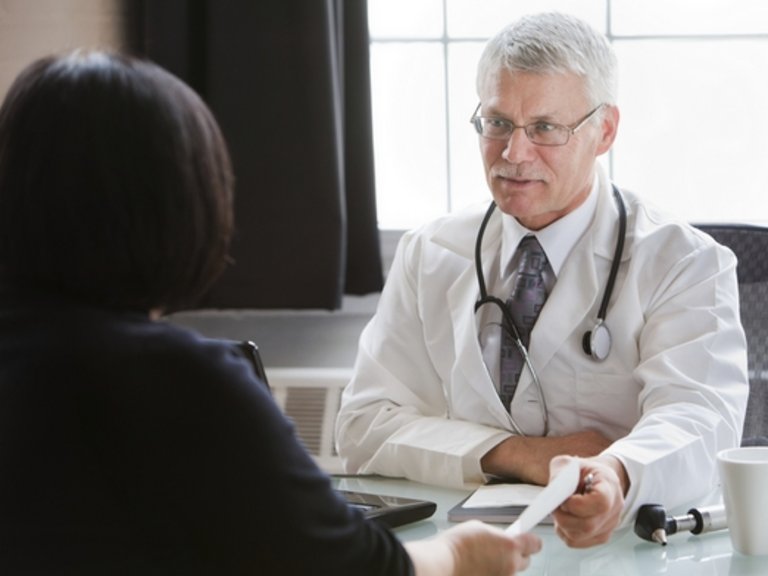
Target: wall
30, 29
308, 357
290, 338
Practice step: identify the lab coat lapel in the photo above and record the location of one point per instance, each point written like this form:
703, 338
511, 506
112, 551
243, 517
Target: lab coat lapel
461, 300
573, 296
461, 297
578, 290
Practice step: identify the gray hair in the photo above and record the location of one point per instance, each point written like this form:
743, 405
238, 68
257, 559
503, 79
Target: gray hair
552, 43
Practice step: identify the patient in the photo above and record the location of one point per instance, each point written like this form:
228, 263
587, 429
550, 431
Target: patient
128, 445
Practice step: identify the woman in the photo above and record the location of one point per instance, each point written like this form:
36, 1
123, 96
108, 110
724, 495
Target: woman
128, 445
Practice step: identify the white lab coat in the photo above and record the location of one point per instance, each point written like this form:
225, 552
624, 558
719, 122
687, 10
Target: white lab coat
671, 393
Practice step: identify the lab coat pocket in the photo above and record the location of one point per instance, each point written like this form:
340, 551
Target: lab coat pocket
607, 402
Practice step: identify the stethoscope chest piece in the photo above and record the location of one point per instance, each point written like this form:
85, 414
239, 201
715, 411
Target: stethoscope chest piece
597, 342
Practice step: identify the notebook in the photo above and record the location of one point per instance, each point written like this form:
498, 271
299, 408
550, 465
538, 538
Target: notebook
391, 511
500, 503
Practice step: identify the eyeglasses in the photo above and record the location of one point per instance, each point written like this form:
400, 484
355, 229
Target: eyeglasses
540, 132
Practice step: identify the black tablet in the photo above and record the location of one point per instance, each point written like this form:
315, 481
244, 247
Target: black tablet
391, 511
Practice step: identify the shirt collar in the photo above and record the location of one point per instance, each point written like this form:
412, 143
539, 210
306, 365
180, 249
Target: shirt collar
557, 239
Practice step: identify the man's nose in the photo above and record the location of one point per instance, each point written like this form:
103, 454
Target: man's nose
519, 148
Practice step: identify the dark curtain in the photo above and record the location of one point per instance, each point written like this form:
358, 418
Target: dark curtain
288, 81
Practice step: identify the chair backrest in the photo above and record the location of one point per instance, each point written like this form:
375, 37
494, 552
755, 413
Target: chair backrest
750, 244
310, 397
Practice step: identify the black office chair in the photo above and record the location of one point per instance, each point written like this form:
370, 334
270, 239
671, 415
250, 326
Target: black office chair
750, 244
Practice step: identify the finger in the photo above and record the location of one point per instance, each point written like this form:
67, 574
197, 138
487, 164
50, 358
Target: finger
580, 506
558, 463
582, 538
529, 543
525, 546
521, 563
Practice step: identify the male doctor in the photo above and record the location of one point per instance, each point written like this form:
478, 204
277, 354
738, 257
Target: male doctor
639, 372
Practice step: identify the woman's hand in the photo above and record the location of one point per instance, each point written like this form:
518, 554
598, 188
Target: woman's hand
473, 548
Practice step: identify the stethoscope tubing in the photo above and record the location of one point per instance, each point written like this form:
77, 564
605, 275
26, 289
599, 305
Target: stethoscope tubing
508, 322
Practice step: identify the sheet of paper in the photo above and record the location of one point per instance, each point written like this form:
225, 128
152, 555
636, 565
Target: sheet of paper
500, 495
555, 493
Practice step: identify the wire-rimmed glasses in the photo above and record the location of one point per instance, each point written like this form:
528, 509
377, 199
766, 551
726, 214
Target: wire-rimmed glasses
541, 132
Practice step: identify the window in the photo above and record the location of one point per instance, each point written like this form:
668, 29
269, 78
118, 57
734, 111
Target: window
693, 92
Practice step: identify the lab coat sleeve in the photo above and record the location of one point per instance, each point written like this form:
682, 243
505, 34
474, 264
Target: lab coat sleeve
394, 415
693, 370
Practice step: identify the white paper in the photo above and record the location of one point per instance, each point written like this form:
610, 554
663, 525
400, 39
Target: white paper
556, 492
501, 495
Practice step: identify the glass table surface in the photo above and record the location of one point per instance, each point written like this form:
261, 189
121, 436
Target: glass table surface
686, 554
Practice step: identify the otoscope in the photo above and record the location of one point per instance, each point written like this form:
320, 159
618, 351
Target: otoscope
653, 524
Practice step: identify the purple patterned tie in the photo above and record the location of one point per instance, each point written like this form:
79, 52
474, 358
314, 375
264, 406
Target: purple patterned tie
525, 303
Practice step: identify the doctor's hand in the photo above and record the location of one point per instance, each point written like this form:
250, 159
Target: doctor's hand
590, 516
527, 458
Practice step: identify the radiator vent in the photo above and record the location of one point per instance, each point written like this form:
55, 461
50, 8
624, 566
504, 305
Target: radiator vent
310, 397
306, 407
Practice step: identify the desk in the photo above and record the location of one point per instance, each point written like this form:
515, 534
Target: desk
625, 555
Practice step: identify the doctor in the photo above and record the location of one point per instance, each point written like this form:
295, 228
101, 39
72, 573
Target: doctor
640, 372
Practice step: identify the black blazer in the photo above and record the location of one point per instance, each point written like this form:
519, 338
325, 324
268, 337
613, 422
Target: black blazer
129, 446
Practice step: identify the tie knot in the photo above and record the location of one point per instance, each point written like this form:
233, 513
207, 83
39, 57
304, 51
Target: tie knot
533, 259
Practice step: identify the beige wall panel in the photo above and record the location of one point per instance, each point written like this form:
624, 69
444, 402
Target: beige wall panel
30, 29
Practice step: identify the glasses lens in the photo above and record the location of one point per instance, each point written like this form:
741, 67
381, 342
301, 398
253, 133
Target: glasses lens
546, 134
494, 128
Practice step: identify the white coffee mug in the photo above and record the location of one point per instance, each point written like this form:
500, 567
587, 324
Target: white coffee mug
744, 481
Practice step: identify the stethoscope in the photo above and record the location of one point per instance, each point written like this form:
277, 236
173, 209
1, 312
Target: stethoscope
596, 343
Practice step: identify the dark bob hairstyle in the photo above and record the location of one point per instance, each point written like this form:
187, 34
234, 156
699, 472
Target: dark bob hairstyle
115, 184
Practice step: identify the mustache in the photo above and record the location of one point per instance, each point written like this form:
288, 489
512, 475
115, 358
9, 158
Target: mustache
515, 172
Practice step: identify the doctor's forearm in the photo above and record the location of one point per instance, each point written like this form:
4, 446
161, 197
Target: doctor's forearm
527, 458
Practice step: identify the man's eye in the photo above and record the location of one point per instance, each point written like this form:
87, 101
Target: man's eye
497, 123
544, 127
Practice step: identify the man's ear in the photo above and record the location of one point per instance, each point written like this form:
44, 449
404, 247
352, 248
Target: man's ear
609, 126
